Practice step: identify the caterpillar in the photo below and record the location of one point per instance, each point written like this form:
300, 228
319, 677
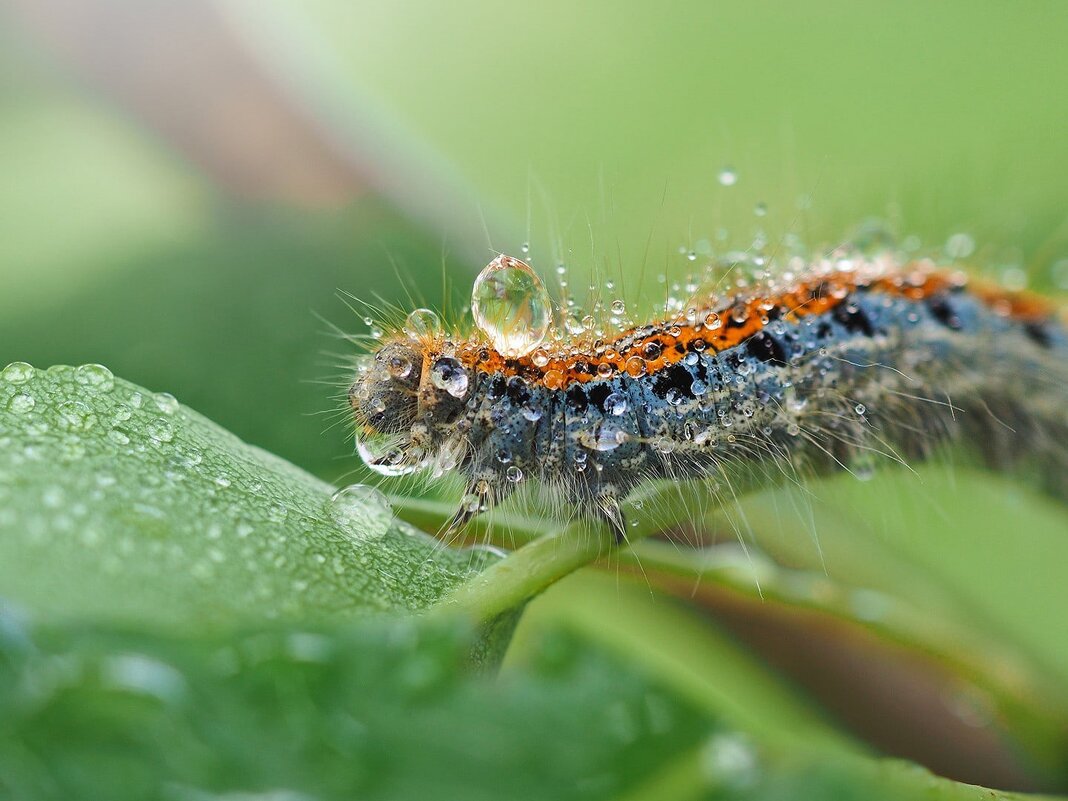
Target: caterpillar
856, 357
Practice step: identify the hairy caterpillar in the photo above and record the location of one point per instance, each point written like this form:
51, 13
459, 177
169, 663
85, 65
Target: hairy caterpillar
858, 356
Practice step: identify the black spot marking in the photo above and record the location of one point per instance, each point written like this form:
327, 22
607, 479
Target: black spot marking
518, 392
1038, 333
576, 398
733, 359
853, 318
496, 388
701, 369
824, 330
766, 348
943, 311
676, 377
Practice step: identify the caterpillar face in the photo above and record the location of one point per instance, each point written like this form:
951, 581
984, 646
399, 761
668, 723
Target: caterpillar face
405, 399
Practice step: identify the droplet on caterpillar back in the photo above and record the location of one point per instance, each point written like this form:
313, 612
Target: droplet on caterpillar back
511, 306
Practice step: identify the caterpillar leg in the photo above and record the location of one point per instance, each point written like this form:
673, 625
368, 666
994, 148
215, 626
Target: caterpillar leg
480, 496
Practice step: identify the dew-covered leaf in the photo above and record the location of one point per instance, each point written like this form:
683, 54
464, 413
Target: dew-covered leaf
118, 503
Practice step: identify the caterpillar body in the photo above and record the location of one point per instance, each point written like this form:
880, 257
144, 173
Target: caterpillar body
815, 373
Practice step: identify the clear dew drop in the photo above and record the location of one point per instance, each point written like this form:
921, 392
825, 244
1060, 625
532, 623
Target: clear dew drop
21, 403
17, 373
398, 367
609, 437
727, 177
95, 377
616, 404
423, 323
514, 474
362, 510
160, 430
729, 760
449, 374
960, 246
165, 402
618, 307
511, 306
75, 416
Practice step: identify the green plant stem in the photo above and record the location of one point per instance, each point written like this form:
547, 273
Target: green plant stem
546, 559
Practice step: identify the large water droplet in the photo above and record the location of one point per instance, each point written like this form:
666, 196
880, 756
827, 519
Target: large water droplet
363, 511
511, 305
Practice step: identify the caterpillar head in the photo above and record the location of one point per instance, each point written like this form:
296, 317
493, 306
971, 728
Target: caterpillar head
405, 400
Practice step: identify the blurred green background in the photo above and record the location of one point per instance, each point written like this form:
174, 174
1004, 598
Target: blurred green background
185, 188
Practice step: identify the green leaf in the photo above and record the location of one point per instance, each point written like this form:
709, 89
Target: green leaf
119, 504
381, 711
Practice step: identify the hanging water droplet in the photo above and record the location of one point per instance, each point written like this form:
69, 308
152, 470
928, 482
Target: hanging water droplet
422, 323
727, 177
540, 358
514, 474
383, 454
363, 511
17, 373
618, 307
95, 377
449, 374
511, 306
